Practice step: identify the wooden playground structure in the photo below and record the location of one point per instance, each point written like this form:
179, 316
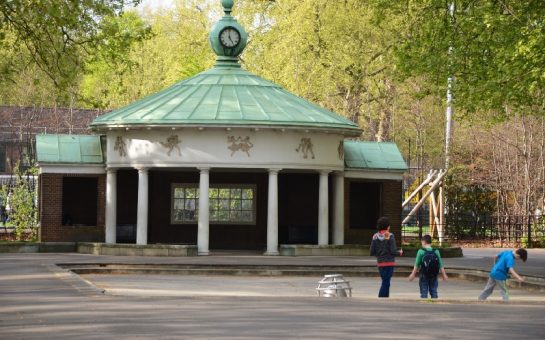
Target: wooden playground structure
435, 195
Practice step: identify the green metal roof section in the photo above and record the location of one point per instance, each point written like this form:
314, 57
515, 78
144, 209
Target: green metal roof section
69, 149
225, 96
373, 155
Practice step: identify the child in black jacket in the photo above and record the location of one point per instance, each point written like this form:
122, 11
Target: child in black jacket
383, 246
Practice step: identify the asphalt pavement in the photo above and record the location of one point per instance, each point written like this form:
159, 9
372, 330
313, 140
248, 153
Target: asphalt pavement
37, 300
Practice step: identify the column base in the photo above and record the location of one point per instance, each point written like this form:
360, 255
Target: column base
271, 253
203, 253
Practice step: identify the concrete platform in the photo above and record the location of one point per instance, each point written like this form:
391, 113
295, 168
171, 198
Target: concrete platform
136, 250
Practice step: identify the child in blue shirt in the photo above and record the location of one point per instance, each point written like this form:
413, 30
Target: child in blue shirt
504, 264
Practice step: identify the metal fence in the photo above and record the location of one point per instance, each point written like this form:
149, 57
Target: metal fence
505, 230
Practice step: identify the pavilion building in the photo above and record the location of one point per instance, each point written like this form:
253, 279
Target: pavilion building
223, 160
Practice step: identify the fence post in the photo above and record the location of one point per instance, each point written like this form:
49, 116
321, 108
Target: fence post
529, 243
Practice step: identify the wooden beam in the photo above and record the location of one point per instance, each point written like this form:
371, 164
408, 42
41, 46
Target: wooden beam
441, 214
422, 185
434, 185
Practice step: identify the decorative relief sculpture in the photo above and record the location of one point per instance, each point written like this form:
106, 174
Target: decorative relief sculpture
173, 142
340, 150
239, 144
120, 146
305, 147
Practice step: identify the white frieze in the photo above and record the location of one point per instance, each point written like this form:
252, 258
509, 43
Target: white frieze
235, 148
305, 147
120, 146
340, 150
173, 142
239, 144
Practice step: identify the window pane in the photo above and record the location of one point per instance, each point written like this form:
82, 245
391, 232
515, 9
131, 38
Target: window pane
223, 216
236, 193
224, 204
235, 205
247, 216
178, 204
191, 193
213, 192
179, 192
224, 193
213, 205
247, 205
234, 216
178, 215
247, 193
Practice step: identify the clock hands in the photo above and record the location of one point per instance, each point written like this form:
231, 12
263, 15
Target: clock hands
230, 38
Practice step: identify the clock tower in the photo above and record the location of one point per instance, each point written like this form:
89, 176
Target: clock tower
228, 38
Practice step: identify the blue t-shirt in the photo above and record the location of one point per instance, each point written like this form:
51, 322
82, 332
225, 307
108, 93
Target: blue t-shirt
505, 261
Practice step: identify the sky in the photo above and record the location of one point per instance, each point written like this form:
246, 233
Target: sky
154, 4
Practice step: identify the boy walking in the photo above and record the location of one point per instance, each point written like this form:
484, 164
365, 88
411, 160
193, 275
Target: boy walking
504, 264
383, 246
428, 261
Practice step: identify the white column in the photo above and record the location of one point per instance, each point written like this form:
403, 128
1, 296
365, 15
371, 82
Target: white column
338, 209
272, 214
142, 214
323, 209
203, 232
111, 205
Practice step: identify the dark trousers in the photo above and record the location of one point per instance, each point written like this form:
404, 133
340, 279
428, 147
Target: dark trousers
428, 284
386, 275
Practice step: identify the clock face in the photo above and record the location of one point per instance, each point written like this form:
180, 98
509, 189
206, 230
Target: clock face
229, 37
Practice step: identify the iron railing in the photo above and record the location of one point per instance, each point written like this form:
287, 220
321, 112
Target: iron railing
497, 230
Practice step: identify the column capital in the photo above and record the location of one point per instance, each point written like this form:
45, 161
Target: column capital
111, 170
142, 169
324, 172
203, 168
338, 173
274, 170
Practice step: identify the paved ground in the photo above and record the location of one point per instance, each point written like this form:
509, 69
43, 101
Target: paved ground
36, 302
363, 287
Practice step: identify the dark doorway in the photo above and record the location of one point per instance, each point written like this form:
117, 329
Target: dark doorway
127, 202
298, 208
365, 204
79, 201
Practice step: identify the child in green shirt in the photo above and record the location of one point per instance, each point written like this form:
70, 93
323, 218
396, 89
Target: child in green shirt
428, 261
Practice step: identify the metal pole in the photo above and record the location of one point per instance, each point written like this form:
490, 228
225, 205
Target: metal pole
450, 108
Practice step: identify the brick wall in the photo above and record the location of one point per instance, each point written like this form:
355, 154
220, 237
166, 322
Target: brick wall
50, 211
391, 192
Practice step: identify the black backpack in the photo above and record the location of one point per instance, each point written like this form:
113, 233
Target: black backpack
430, 263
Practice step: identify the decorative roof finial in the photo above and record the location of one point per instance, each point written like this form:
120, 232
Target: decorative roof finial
228, 38
227, 6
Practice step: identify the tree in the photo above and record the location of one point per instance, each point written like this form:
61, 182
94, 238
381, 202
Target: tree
493, 49
21, 198
55, 35
175, 47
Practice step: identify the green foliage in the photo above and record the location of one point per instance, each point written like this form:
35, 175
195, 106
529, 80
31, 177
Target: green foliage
329, 52
464, 196
493, 49
55, 35
173, 45
23, 214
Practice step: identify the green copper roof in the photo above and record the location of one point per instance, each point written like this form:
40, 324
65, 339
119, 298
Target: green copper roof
77, 149
225, 96
373, 155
